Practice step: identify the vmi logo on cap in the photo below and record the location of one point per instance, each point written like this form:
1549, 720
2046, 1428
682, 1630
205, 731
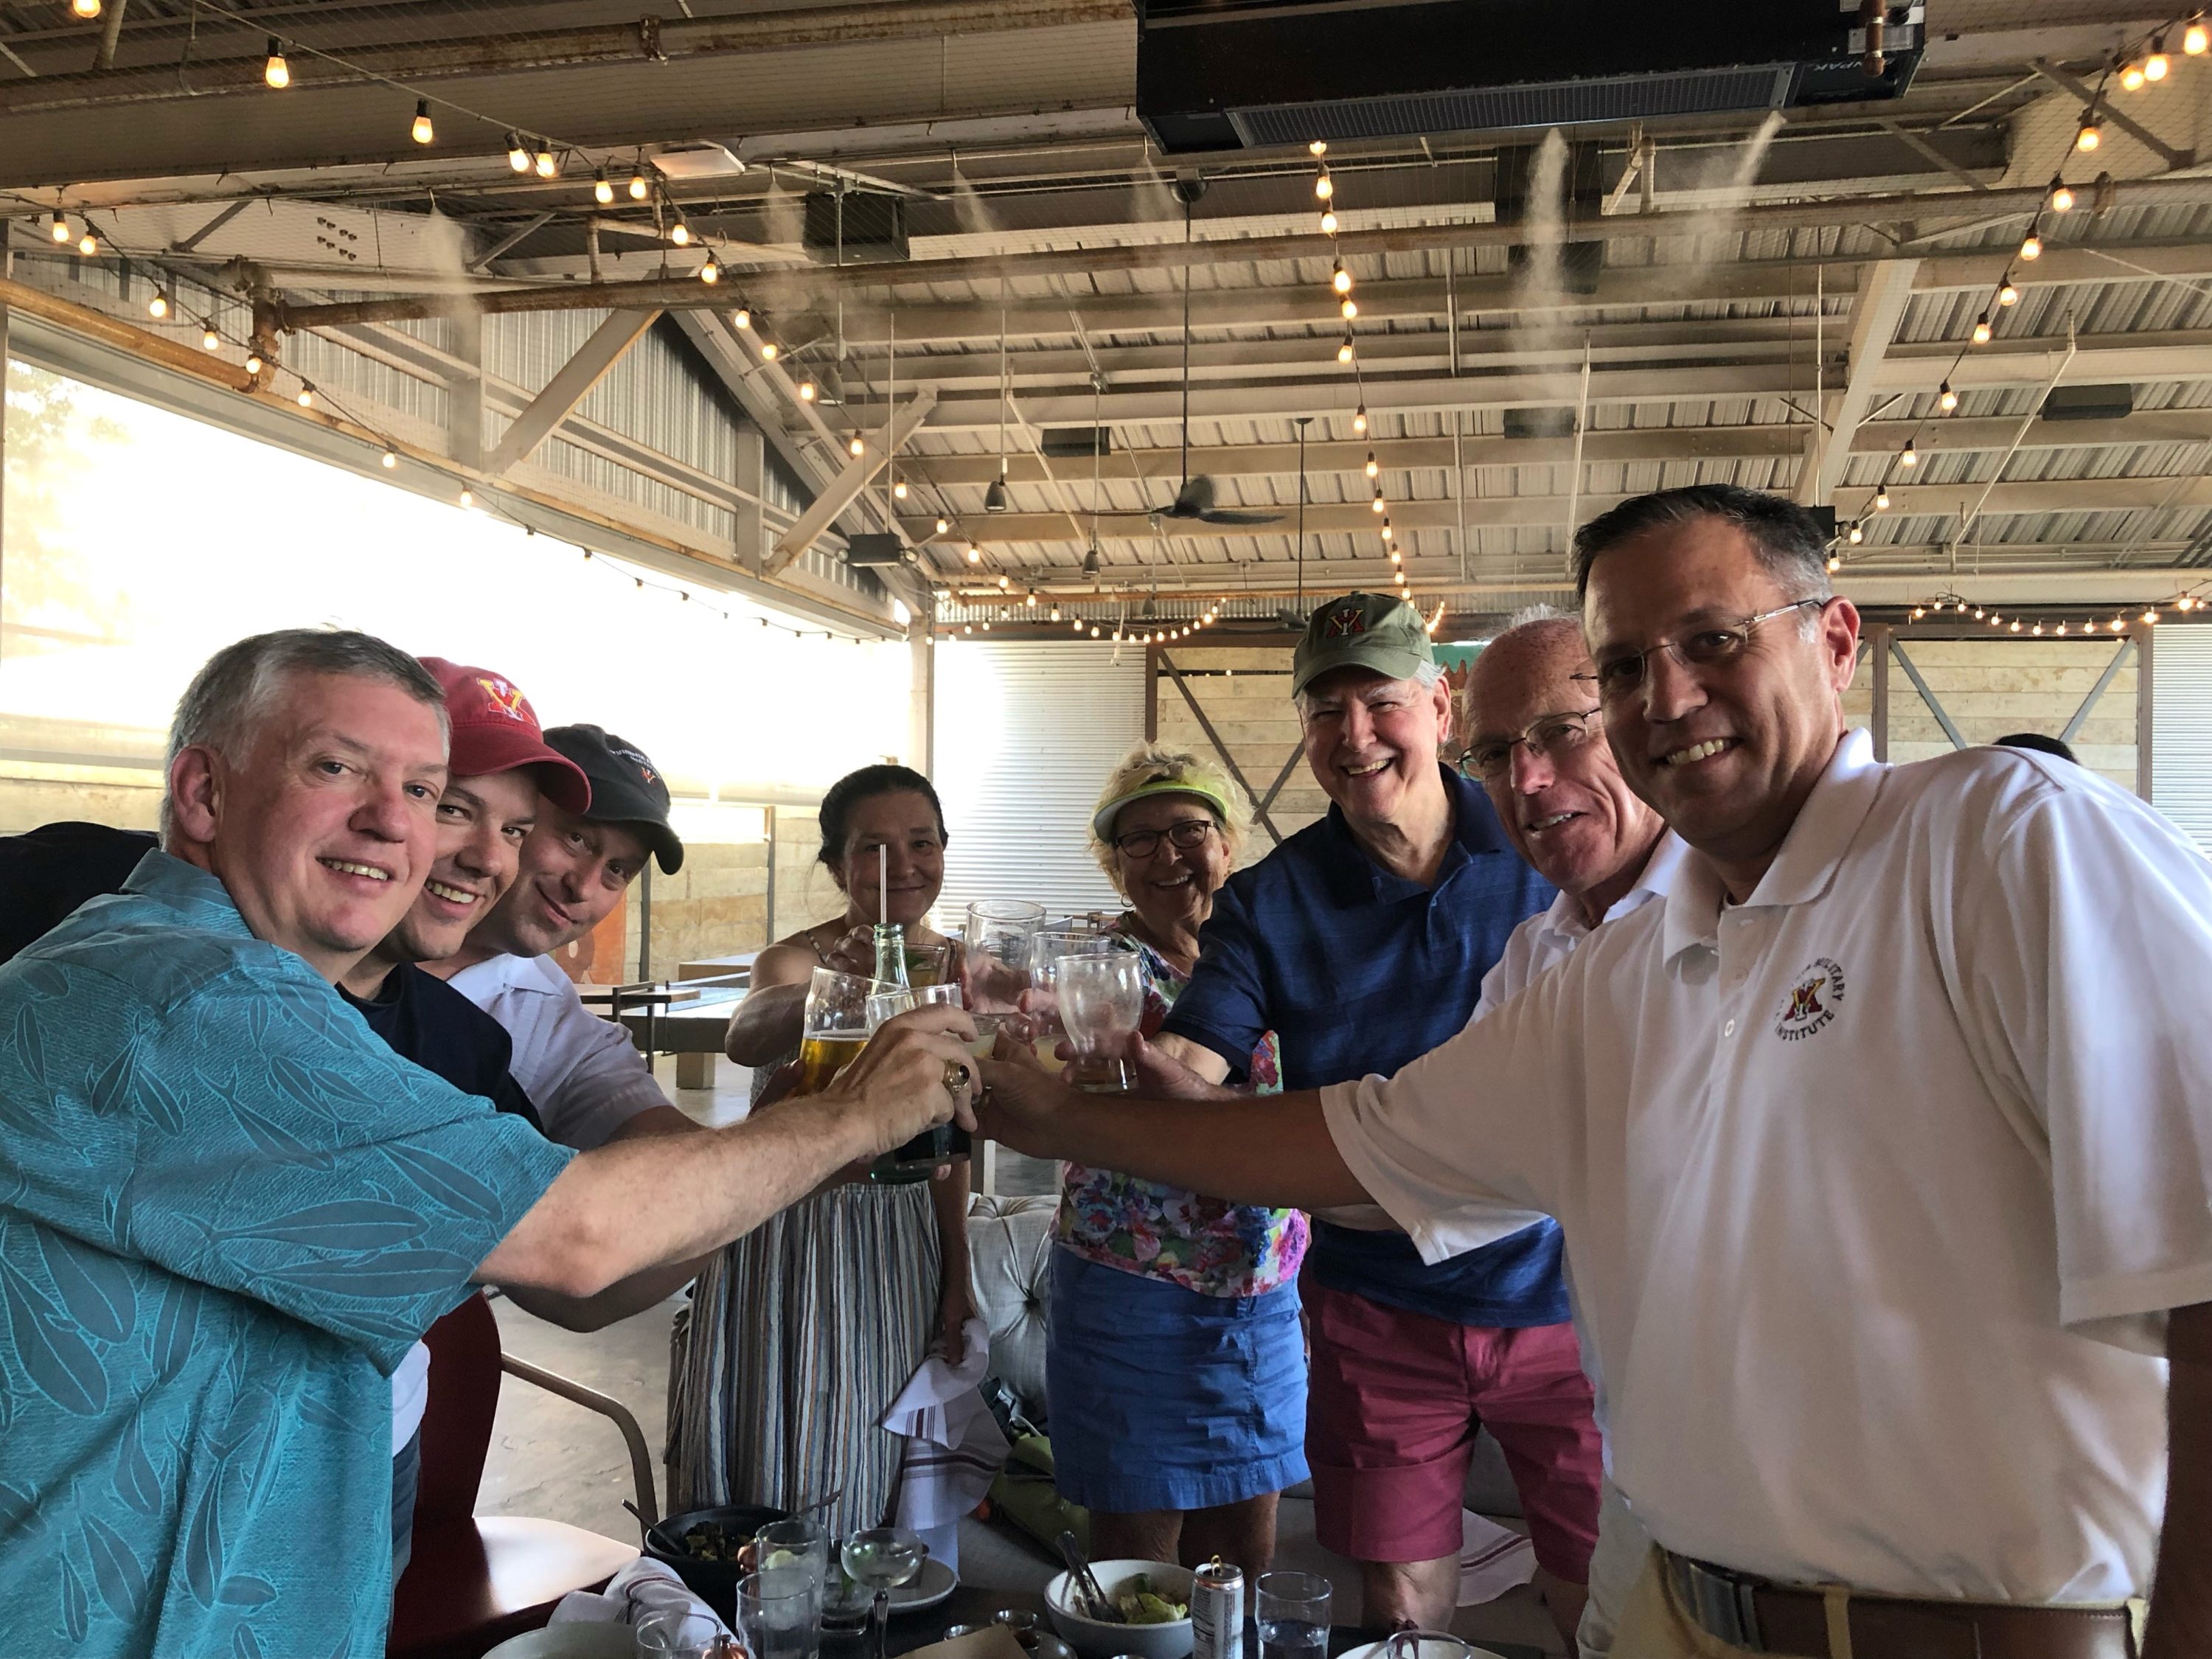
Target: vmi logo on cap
1813, 1000
644, 766
506, 698
1346, 620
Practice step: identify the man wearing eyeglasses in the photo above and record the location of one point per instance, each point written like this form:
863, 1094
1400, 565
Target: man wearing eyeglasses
1883, 1147
1362, 942
1537, 742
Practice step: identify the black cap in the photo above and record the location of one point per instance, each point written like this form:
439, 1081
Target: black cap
626, 787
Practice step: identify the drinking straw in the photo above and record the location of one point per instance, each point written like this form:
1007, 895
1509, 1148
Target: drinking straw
884, 884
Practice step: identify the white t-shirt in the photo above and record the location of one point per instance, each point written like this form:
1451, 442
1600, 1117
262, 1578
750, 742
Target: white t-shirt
582, 1072
411, 1396
1876, 1187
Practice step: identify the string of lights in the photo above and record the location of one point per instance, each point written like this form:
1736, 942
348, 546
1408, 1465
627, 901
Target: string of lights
2193, 603
1348, 352
2142, 62
644, 584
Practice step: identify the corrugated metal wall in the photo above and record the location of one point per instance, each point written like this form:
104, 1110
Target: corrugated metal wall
2181, 729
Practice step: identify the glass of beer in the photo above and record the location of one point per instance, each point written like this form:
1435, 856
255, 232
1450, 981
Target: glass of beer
835, 1027
928, 964
1102, 1003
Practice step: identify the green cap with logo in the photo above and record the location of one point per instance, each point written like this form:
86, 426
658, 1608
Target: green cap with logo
1373, 631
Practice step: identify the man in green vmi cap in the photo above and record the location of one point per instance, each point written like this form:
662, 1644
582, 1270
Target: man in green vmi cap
1362, 942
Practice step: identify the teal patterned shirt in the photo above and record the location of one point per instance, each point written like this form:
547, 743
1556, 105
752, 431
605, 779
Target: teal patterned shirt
227, 1210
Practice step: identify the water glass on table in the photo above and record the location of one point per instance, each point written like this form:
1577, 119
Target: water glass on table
779, 1613
673, 1633
1292, 1610
803, 1545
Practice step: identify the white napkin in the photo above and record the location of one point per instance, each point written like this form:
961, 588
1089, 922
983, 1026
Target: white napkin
1492, 1560
642, 1587
953, 1445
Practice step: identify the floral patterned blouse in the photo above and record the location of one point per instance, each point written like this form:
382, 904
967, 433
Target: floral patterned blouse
1204, 1245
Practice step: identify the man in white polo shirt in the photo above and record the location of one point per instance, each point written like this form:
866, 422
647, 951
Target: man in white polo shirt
585, 1076
1536, 743
1883, 1147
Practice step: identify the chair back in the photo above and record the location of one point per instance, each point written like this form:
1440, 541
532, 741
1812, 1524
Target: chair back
457, 1425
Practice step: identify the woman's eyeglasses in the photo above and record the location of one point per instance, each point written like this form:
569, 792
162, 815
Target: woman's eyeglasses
1188, 836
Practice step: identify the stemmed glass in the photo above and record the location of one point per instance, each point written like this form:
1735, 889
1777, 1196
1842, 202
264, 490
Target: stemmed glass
882, 1559
1102, 1003
999, 946
1052, 945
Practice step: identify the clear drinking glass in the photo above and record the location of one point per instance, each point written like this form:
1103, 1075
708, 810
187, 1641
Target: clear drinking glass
882, 1559
835, 1027
1291, 1609
779, 1612
674, 1633
1102, 1003
883, 1004
1001, 946
1044, 1005
803, 1545
928, 964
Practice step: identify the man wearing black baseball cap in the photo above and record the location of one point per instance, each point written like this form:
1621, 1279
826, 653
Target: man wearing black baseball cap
589, 1083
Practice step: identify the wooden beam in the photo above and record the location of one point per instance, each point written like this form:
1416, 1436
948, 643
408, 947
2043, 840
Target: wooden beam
850, 479
1874, 317
1258, 811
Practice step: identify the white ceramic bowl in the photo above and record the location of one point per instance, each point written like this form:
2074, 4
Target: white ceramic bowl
1095, 1640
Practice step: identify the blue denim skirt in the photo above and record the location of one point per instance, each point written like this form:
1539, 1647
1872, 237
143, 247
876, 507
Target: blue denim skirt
1165, 1399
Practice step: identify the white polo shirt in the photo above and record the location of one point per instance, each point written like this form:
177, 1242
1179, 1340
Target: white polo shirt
582, 1072
1876, 1187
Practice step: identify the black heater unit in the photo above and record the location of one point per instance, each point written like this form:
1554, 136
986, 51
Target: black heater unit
859, 227
1228, 75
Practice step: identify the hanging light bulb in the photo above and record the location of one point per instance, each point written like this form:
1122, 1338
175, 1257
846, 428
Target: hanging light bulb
1910, 457
942, 525
899, 490
1856, 535
2196, 38
639, 189
2031, 246
2132, 77
1344, 351
771, 351
390, 459
2037, 630
1981, 335
2150, 614
277, 72
57, 227
975, 554
87, 9
1977, 613
547, 166
741, 318
1375, 506
2008, 294
710, 272
1387, 531
680, 233
87, 245
2089, 134
420, 129
1834, 564
2158, 65
1006, 583
517, 157
1340, 279
2062, 629
1360, 419
252, 363
158, 306
806, 392
1328, 221
1032, 600
1319, 147
1882, 500
603, 188
2062, 196
1324, 186
1946, 399
306, 397
1373, 468
1995, 621
208, 338
1917, 613
857, 447
1349, 308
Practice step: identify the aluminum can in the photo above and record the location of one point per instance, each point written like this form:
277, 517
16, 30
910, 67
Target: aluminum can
1217, 1611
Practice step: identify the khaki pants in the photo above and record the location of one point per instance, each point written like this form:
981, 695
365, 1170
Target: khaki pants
1654, 1627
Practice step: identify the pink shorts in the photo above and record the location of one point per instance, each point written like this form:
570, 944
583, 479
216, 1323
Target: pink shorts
1394, 1403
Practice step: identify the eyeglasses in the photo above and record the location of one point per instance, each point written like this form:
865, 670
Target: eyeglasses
1618, 677
1188, 836
1548, 738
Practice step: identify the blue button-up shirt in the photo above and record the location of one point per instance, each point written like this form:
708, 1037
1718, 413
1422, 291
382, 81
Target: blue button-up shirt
226, 1212
1360, 971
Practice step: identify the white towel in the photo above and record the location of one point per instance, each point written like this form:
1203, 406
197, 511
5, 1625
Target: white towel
642, 1587
1492, 1560
953, 1445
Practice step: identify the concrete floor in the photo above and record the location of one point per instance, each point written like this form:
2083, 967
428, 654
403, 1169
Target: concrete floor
552, 1458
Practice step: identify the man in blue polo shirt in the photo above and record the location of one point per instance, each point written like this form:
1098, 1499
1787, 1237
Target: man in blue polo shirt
1362, 941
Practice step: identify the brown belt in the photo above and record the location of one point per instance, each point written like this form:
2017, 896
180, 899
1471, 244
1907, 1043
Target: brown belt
1764, 1617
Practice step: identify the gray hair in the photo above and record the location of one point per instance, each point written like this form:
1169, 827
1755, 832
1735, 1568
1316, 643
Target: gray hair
1425, 675
1787, 539
232, 691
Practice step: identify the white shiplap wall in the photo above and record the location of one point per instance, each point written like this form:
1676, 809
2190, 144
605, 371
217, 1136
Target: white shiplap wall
1026, 733
2181, 728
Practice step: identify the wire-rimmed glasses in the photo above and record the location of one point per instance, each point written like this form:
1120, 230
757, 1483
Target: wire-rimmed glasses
1621, 674
1551, 738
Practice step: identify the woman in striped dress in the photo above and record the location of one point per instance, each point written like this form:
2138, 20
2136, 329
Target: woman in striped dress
801, 1335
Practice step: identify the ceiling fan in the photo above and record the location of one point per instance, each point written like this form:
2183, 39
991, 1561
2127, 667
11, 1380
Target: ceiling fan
1195, 500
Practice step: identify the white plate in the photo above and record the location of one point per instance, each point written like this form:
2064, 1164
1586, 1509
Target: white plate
1374, 1650
930, 1588
573, 1641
